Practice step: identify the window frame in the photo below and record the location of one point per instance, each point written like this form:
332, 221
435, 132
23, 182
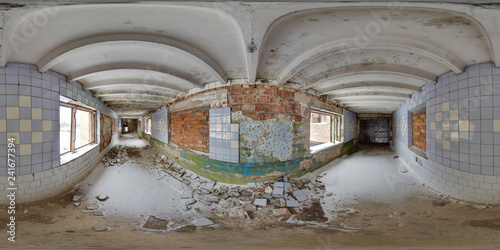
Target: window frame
74, 108
336, 130
147, 127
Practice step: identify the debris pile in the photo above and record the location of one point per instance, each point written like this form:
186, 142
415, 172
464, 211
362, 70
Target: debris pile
115, 156
287, 200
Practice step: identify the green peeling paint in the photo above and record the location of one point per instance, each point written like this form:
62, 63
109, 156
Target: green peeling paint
241, 173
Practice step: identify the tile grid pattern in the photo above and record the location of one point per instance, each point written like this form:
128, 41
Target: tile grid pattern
223, 136
159, 124
349, 125
29, 112
463, 134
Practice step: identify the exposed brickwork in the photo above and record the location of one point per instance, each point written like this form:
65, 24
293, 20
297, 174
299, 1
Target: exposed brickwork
419, 126
245, 86
264, 102
189, 128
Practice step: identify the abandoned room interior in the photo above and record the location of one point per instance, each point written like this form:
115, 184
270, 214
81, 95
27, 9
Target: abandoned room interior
249, 124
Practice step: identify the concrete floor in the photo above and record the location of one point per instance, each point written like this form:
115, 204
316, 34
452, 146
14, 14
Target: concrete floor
376, 203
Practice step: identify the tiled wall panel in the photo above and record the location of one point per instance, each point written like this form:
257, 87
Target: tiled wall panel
224, 136
159, 124
29, 112
462, 134
349, 125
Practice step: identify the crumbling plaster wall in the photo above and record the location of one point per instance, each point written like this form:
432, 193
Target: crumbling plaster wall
273, 133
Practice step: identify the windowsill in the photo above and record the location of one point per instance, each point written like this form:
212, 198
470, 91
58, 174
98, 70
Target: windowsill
323, 146
418, 151
65, 158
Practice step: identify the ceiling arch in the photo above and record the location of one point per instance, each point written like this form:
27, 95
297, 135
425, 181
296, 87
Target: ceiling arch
430, 51
350, 51
172, 46
169, 48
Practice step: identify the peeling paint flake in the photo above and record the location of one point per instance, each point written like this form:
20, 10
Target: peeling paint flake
262, 140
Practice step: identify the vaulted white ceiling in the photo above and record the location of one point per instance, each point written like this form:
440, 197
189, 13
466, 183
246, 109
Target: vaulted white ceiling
367, 56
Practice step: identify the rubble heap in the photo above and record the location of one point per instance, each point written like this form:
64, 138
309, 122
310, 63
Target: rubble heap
283, 199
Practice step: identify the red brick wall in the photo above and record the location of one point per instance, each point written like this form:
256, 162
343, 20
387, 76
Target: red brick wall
419, 128
189, 128
263, 102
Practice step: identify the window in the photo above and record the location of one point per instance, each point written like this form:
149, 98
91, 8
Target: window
325, 129
148, 125
318, 118
76, 127
419, 129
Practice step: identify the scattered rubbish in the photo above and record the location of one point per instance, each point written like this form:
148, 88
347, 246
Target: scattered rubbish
212, 198
186, 229
280, 211
260, 202
91, 206
97, 214
102, 197
403, 170
210, 184
155, 223
76, 198
203, 222
314, 213
77, 204
102, 229
249, 207
252, 185
184, 207
292, 203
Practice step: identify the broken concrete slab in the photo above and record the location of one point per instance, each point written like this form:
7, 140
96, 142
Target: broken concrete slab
299, 195
249, 207
251, 184
280, 211
190, 201
267, 196
203, 222
210, 184
97, 214
155, 223
211, 198
278, 192
260, 202
292, 203
187, 194
279, 184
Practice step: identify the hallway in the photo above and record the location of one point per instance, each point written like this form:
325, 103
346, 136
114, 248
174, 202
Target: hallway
374, 205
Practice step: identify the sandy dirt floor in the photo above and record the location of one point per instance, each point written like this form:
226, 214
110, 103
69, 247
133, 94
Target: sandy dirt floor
376, 204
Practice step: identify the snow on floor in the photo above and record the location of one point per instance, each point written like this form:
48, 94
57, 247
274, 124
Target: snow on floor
359, 177
137, 192
130, 140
